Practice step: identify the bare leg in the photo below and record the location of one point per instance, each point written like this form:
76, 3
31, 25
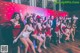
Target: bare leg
44, 43
18, 49
74, 31
31, 44
25, 44
72, 34
40, 43
44, 40
72, 37
67, 38
59, 37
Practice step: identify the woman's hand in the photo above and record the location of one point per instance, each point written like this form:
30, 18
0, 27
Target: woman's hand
15, 40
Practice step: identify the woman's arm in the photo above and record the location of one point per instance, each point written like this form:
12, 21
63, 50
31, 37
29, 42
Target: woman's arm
15, 40
62, 30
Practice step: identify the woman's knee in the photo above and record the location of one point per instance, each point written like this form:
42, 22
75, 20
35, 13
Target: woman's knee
41, 41
26, 45
31, 44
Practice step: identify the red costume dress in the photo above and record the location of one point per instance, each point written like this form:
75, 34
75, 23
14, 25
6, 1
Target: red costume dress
48, 30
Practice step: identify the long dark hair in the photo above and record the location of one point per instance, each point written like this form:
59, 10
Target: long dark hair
20, 20
28, 20
14, 15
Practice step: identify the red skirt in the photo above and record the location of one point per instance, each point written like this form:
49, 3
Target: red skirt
57, 29
48, 32
36, 32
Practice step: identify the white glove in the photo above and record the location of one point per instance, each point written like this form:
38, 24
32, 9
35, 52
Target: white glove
15, 40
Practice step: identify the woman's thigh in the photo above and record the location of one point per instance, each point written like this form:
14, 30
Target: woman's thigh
40, 39
29, 41
24, 41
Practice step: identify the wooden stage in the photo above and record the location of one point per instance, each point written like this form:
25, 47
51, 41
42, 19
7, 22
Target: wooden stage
69, 47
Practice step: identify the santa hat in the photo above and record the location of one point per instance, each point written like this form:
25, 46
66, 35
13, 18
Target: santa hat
38, 16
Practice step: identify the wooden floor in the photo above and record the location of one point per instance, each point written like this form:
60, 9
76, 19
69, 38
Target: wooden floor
69, 47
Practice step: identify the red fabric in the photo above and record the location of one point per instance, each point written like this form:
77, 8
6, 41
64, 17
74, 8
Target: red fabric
17, 26
37, 32
48, 31
62, 14
38, 16
16, 30
57, 28
64, 28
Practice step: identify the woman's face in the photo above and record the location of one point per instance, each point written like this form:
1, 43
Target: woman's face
17, 17
41, 20
49, 21
31, 20
52, 17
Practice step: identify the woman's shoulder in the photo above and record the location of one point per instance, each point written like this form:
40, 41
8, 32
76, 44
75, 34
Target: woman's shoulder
26, 25
12, 20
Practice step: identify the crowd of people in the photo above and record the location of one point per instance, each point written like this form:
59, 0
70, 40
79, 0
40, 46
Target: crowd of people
34, 27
